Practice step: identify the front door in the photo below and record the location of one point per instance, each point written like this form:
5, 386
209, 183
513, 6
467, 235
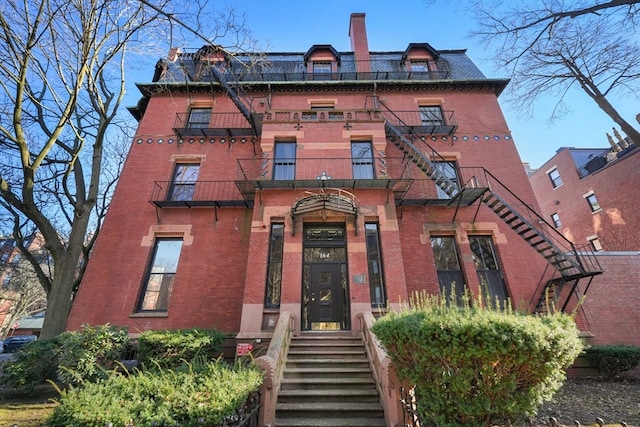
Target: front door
326, 296
324, 282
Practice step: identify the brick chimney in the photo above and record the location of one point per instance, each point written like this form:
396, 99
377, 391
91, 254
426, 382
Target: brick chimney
359, 44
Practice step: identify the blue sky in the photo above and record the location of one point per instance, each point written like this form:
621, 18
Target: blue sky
391, 25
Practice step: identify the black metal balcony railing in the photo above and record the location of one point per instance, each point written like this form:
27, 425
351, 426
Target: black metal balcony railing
200, 194
321, 173
224, 125
411, 122
268, 70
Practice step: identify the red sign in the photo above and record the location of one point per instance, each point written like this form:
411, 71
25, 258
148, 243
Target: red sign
242, 348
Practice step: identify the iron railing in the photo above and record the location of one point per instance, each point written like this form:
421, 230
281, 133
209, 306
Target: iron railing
221, 125
247, 415
411, 122
409, 408
270, 69
482, 178
199, 194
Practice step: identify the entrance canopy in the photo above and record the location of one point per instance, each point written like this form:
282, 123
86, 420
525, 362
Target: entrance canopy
333, 199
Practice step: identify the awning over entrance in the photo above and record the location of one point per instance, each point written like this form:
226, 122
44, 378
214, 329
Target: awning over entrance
333, 199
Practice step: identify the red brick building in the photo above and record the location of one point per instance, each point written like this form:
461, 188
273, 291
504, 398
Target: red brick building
590, 195
321, 183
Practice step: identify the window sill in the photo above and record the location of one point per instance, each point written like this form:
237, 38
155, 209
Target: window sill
150, 314
596, 211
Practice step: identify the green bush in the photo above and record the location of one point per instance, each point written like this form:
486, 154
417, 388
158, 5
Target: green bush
197, 396
474, 366
85, 354
72, 357
612, 360
169, 349
32, 364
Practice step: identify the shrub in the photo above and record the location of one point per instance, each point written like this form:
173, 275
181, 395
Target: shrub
85, 354
474, 366
612, 360
72, 357
201, 395
168, 349
32, 364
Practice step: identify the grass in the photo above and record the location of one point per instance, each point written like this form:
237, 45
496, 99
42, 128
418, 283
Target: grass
25, 414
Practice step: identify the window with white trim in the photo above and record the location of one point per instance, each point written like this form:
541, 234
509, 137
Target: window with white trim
593, 202
554, 176
595, 243
556, 220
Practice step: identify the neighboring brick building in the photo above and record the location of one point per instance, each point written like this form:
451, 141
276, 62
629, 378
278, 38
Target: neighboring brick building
591, 195
336, 183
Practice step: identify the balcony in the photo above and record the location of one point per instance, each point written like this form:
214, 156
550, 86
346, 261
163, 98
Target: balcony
216, 194
297, 116
273, 70
223, 125
411, 122
305, 173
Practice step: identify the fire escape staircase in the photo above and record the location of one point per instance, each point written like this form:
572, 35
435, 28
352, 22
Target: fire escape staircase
232, 85
569, 263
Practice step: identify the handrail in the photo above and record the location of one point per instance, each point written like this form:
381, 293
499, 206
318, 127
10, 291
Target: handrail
581, 257
384, 372
272, 363
391, 117
487, 179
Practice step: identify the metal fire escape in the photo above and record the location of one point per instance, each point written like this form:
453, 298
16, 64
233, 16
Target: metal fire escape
229, 82
570, 263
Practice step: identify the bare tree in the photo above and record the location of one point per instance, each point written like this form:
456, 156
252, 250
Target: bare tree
62, 82
22, 295
550, 47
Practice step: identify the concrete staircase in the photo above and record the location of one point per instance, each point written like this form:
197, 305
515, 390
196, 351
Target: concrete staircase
328, 382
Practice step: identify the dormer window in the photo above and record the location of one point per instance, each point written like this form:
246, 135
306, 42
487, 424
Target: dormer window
322, 61
421, 58
419, 66
320, 67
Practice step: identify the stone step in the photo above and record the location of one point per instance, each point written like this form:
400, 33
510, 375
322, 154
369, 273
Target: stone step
327, 353
331, 422
330, 372
332, 395
305, 383
327, 381
327, 410
327, 363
